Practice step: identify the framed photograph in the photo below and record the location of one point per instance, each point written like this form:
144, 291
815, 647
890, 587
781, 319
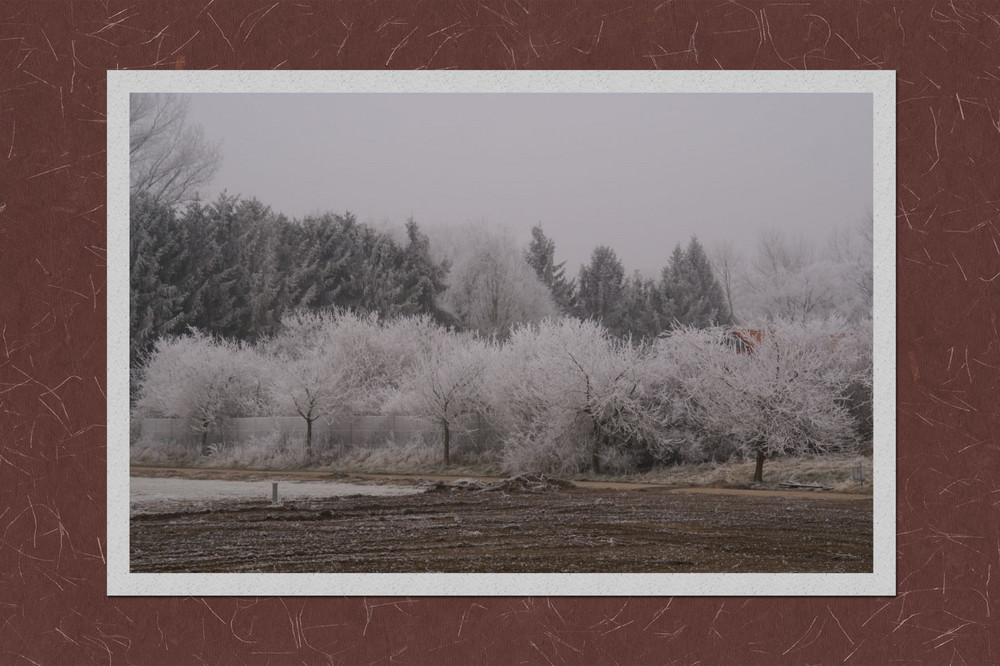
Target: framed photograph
634, 127
252, 319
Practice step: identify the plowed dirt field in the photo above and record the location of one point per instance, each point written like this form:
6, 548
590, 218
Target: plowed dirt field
521, 525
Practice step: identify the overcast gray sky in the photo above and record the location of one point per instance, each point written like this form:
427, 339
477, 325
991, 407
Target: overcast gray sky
637, 172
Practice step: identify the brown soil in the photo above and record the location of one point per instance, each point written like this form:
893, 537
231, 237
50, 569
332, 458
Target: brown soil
492, 525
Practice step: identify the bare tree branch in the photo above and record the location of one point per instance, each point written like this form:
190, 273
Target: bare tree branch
168, 159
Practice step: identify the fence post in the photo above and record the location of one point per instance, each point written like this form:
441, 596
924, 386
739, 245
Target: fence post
274, 491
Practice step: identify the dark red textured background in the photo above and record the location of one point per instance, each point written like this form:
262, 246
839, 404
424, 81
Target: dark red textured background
53, 58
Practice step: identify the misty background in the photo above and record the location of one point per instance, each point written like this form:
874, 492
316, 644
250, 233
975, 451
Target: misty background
597, 280
638, 172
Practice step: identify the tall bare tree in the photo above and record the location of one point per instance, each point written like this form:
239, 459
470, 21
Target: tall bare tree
727, 261
491, 286
168, 159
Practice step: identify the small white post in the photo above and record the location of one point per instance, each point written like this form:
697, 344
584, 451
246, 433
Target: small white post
274, 491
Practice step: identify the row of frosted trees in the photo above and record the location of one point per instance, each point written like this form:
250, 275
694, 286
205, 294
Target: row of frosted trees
562, 395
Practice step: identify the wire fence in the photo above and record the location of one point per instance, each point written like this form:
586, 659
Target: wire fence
341, 435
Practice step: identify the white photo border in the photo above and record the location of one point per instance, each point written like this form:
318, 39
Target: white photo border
880, 582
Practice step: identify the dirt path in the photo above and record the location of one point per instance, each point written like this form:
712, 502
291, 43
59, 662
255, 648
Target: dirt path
360, 477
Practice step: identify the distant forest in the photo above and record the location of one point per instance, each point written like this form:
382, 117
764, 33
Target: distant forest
232, 268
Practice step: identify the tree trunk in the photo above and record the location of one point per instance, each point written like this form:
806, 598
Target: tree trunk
595, 459
447, 442
758, 472
204, 440
309, 438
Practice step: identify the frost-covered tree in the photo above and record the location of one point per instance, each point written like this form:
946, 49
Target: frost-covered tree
204, 380
309, 368
380, 354
491, 287
541, 256
446, 385
692, 295
852, 248
727, 263
787, 394
566, 394
789, 279
330, 363
642, 308
599, 295
424, 280
168, 158
159, 262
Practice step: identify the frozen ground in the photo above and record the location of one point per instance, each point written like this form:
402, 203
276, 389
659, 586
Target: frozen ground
514, 525
166, 493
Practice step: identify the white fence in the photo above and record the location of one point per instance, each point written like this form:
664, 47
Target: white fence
340, 435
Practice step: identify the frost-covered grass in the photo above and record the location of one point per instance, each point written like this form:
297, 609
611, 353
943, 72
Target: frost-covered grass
832, 471
269, 452
282, 453
413, 457
835, 472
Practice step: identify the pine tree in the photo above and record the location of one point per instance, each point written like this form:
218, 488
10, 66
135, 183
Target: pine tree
232, 268
540, 255
264, 280
601, 288
642, 316
423, 279
322, 276
157, 252
691, 294
380, 277
223, 307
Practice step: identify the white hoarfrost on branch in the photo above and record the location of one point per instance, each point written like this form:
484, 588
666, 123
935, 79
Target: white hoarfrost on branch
559, 396
789, 280
446, 385
309, 369
491, 287
204, 380
568, 395
785, 394
381, 354
328, 364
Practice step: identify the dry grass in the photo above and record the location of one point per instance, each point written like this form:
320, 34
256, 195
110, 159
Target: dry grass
833, 472
267, 452
413, 457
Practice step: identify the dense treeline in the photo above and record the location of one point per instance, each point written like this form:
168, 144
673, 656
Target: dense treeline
234, 267
237, 310
563, 395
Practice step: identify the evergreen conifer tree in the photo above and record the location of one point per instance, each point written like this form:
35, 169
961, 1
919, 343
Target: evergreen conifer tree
601, 289
642, 316
157, 258
691, 294
423, 279
540, 255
